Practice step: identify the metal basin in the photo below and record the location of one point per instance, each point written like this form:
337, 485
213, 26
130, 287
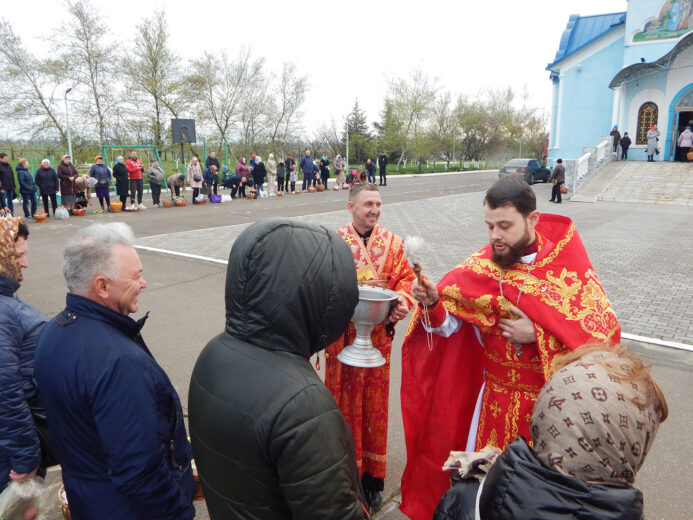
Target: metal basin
373, 307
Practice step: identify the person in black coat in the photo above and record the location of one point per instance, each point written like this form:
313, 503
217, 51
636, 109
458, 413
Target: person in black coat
324, 170
268, 438
259, 173
7, 184
46, 179
212, 161
625, 144
120, 174
382, 165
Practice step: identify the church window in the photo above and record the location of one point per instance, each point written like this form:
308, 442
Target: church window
647, 116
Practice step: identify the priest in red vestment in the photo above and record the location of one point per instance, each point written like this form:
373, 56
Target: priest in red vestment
363, 393
494, 325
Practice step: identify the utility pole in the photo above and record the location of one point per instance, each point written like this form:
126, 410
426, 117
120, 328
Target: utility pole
67, 120
347, 144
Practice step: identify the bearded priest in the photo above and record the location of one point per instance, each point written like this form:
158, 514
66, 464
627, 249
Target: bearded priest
496, 322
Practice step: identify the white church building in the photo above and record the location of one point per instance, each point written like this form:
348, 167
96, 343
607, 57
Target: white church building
631, 69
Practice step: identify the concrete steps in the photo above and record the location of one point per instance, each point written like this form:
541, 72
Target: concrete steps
643, 182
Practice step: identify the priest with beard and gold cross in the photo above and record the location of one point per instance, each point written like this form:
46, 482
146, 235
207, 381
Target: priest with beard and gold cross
481, 343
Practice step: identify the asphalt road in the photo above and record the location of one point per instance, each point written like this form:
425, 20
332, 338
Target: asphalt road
186, 297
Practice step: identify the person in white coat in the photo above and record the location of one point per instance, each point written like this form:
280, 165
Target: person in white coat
652, 139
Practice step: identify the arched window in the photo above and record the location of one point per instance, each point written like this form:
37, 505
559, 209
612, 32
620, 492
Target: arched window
647, 116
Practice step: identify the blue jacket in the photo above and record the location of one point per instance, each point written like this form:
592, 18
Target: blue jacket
210, 177
20, 326
26, 180
307, 165
101, 173
115, 420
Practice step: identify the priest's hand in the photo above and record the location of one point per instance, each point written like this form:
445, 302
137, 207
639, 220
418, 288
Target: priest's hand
518, 330
398, 312
426, 293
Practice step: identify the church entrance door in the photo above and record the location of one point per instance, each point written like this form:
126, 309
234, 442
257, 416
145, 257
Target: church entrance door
684, 119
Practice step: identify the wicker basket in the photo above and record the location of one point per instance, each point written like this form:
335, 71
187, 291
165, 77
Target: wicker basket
180, 202
280, 194
320, 187
168, 203
311, 189
40, 217
116, 207
78, 211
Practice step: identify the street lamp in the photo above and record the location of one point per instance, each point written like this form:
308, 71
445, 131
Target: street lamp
67, 120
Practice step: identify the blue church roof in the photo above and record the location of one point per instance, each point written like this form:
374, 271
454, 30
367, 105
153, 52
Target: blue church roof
583, 30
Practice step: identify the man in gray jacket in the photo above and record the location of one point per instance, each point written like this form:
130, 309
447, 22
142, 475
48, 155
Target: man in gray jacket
558, 178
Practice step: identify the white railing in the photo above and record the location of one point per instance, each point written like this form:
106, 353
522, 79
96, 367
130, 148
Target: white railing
579, 171
582, 170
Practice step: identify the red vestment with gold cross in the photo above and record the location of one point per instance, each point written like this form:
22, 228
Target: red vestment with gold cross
562, 296
363, 393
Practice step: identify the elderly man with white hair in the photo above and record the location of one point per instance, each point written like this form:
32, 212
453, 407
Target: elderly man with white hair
115, 419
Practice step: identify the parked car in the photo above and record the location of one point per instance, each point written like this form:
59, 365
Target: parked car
531, 169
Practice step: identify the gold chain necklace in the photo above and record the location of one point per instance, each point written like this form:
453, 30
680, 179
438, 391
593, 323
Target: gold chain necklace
516, 346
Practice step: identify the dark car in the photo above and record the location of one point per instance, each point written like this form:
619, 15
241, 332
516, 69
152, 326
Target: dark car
530, 168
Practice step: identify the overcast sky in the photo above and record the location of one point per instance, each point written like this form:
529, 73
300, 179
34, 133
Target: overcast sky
351, 49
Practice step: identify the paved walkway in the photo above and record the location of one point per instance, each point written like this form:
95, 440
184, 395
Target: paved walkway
639, 251
640, 181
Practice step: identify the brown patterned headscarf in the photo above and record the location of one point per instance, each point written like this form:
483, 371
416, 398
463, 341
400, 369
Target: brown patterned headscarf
9, 266
596, 417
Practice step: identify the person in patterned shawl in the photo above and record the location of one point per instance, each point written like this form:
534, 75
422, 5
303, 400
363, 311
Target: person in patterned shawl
480, 345
362, 393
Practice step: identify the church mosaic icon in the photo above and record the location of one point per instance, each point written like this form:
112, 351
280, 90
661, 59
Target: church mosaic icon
674, 19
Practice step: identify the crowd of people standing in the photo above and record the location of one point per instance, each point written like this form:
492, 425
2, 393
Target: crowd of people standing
279, 175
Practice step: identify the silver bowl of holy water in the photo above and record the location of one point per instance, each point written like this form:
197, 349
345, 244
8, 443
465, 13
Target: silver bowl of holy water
373, 307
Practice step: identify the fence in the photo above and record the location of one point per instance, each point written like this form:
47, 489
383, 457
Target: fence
579, 171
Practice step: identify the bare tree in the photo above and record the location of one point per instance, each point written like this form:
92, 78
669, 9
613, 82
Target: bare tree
29, 93
284, 104
220, 85
328, 137
89, 62
154, 78
411, 101
253, 116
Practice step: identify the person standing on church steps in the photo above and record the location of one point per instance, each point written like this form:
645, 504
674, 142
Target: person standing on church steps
480, 345
616, 136
685, 144
652, 140
625, 144
558, 178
